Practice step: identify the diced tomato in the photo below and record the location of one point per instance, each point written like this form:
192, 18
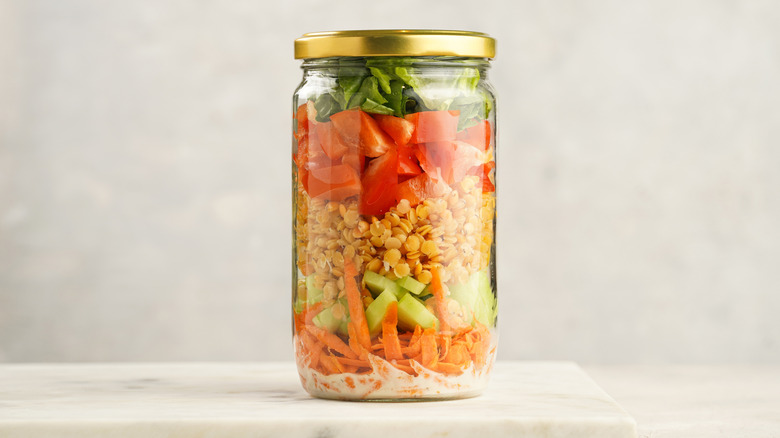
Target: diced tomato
334, 183
357, 128
330, 141
309, 150
448, 161
399, 128
430, 126
310, 156
379, 184
488, 177
305, 118
420, 188
355, 159
484, 174
477, 135
407, 162
304, 131
303, 147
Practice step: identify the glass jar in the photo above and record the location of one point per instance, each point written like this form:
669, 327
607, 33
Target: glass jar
394, 290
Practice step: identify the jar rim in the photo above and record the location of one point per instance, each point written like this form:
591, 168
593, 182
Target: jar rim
395, 42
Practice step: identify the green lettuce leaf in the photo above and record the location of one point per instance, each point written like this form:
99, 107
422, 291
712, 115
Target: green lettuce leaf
371, 106
369, 89
350, 79
396, 99
384, 77
326, 105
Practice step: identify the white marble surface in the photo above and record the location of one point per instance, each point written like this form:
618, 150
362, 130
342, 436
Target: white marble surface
524, 399
696, 401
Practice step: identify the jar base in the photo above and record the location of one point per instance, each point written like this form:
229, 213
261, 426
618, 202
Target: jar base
386, 383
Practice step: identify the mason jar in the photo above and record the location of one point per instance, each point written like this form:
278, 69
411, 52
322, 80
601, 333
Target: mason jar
394, 200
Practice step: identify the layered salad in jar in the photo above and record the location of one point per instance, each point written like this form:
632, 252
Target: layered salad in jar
394, 225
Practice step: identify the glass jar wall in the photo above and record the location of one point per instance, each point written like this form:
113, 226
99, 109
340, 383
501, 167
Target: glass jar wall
394, 201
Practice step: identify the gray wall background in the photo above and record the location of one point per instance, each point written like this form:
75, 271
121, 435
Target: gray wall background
144, 176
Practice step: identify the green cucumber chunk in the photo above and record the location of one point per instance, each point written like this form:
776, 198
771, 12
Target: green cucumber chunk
476, 296
377, 284
313, 295
412, 312
326, 320
411, 285
375, 312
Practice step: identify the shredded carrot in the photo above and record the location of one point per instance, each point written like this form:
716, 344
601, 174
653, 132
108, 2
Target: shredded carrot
330, 365
354, 345
312, 347
332, 341
449, 368
312, 311
444, 345
480, 353
298, 321
390, 333
356, 312
430, 355
405, 368
347, 368
441, 306
416, 335
354, 362
458, 354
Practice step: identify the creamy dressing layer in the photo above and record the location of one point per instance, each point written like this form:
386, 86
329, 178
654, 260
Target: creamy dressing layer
388, 382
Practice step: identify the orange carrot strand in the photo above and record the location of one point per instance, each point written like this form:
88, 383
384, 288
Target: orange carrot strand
356, 311
390, 333
332, 341
430, 355
438, 296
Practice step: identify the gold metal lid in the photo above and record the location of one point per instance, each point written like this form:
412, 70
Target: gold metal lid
395, 42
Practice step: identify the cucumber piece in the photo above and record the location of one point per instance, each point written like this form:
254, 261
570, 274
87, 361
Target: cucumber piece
313, 295
299, 305
326, 320
375, 311
378, 283
465, 294
486, 298
411, 284
412, 312
476, 295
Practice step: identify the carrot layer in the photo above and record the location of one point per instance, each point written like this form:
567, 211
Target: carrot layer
445, 352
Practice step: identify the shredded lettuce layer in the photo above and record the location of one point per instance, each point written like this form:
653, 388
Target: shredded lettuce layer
395, 86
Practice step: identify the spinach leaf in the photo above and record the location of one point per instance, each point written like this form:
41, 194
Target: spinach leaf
350, 79
371, 106
369, 89
384, 78
396, 100
326, 105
